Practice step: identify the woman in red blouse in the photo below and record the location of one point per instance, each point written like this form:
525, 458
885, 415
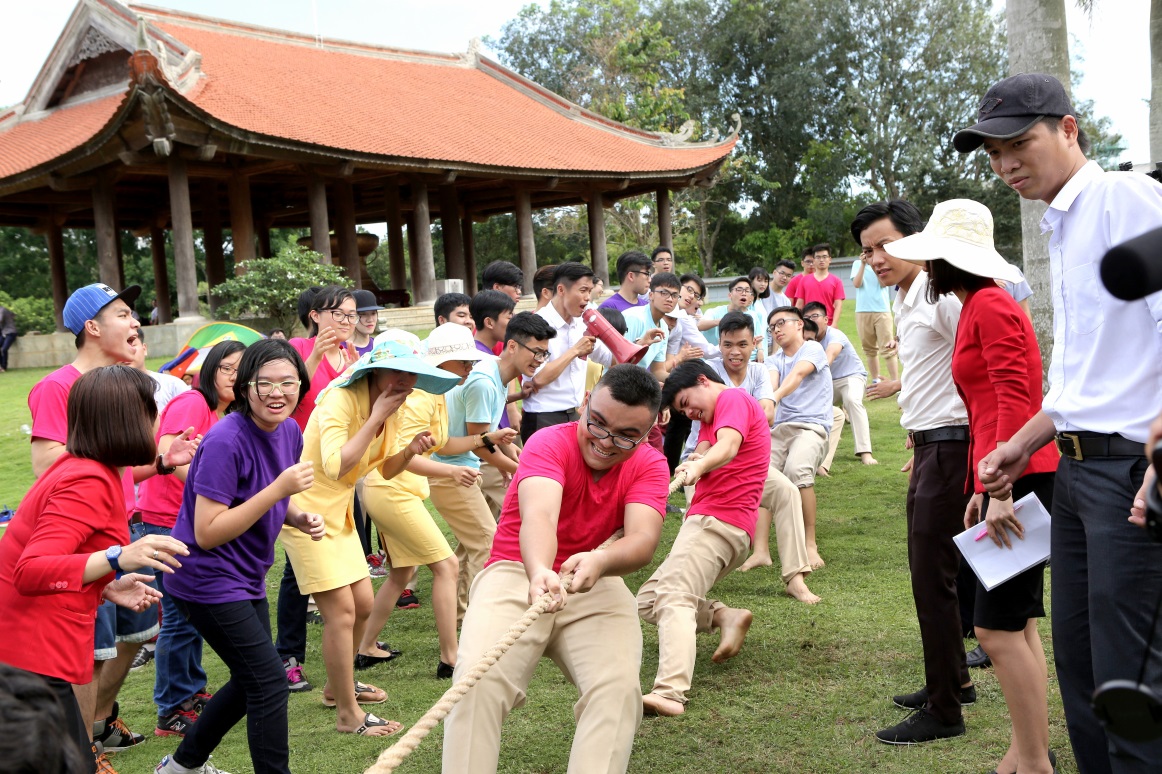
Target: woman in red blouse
70, 536
997, 369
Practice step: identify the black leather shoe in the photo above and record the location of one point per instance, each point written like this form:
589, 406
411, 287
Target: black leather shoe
919, 699
366, 662
919, 727
978, 658
445, 671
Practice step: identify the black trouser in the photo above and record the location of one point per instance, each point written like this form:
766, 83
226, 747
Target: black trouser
531, 422
936, 503
292, 617
6, 341
966, 597
239, 632
75, 725
676, 434
1106, 578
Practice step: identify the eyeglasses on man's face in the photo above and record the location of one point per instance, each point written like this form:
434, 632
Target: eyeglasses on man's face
265, 389
778, 324
600, 433
669, 295
815, 316
694, 294
539, 355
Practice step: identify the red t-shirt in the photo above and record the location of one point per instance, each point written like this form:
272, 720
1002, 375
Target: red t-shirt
591, 510
810, 289
73, 510
49, 403
159, 498
323, 376
732, 493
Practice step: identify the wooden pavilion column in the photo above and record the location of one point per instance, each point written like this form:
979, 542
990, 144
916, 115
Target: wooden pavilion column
262, 226
160, 274
413, 254
120, 256
524, 232
241, 221
453, 237
665, 220
212, 240
595, 210
56, 264
395, 252
105, 227
469, 241
317, 207
183, 239
345, 231
424, 280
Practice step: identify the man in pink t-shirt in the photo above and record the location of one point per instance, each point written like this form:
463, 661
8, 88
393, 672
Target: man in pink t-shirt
821, 286
728, 469
576, 484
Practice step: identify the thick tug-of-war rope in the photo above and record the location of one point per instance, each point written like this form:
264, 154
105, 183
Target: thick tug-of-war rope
393, 756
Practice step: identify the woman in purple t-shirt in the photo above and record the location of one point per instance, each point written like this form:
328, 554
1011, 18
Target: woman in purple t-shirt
236, 500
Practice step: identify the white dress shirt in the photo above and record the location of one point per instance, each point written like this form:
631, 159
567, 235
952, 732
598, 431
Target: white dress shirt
686, 332
927, 333
1105, 372
166, 387
566, 391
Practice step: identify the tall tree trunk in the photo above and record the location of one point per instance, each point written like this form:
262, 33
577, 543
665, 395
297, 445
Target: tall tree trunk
1155, 80
1038, 43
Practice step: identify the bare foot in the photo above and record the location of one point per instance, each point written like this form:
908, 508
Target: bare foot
814, 558
868, 459
652, 704
822, 471
734, 623
797, 588
756, 560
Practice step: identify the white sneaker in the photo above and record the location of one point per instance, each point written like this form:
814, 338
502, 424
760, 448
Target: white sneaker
169, 766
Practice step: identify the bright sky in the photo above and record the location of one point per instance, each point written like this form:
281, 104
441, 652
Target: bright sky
1114, 46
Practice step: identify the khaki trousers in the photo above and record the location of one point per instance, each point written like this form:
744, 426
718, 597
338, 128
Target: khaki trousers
782, 499
595, 640
492, 483
466, 512
837, 420
875, 333
674, 598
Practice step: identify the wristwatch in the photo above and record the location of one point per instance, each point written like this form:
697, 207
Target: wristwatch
162, 470
488, 444
112, 554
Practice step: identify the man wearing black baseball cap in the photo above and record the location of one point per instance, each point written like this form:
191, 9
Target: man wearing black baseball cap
1105, 373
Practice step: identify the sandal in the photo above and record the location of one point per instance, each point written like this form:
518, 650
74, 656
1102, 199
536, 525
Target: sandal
364, 694
371, 721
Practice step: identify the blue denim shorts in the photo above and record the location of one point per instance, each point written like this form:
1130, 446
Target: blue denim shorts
118, 624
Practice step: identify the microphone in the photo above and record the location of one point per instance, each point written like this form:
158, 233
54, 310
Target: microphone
1133, 269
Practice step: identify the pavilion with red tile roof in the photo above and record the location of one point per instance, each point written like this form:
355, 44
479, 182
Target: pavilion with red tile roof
150, 120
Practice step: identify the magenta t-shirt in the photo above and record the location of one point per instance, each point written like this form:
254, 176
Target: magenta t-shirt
49, 403
323, 376
826, 292
732, 493
591, 510
160, 497
235, 462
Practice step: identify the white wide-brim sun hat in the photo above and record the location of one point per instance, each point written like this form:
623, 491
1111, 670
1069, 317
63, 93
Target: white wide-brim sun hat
452, 341
960, 231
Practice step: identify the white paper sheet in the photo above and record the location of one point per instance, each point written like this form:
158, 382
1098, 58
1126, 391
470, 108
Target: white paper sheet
992, 565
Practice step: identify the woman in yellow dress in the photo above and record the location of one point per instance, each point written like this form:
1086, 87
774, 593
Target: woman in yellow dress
345, 439
397, 505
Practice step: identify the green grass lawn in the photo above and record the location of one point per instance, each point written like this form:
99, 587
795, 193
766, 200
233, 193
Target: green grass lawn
805, 694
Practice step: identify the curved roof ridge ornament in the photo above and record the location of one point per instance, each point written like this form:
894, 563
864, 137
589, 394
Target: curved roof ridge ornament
149, 82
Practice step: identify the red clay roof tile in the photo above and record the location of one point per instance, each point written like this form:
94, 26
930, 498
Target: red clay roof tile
30, 143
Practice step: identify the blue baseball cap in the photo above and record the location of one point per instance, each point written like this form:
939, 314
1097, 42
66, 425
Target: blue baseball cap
87, 302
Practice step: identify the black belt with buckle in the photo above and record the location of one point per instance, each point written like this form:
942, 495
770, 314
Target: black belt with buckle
1079, 446
950, 433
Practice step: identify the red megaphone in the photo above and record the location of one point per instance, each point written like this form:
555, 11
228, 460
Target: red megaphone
624, 350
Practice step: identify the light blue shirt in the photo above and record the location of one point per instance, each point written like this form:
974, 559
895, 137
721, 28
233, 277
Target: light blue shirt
872, 296
639, 320
479, 399
847, 362
811, 400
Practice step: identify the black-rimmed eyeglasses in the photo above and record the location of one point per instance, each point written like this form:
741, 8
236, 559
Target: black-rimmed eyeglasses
600, 433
